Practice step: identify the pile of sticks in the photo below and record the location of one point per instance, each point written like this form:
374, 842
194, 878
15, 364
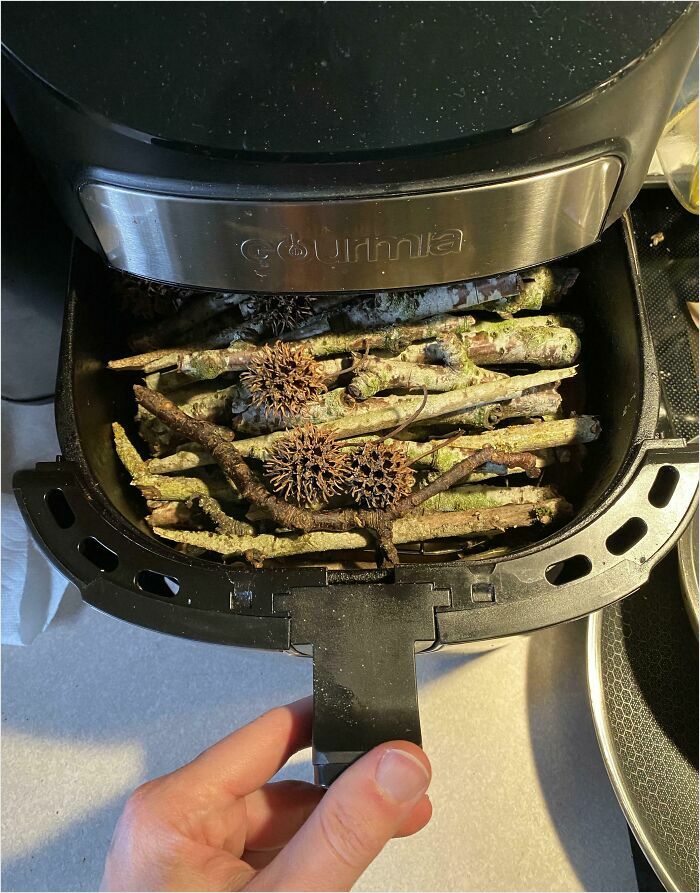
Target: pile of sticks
461, 383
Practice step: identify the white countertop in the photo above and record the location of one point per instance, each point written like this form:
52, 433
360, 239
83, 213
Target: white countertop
95, 706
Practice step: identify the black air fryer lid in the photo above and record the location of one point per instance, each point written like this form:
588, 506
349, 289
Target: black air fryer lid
327, 78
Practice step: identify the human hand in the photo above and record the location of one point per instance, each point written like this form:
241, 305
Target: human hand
215, 824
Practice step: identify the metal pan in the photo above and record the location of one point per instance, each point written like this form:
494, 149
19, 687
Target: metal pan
688, 570
643, 686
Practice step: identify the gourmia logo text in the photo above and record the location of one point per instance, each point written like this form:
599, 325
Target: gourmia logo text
263, 253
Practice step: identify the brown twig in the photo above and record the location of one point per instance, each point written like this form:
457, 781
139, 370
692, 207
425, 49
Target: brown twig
410, 419
433, 525
235, 468
438, 446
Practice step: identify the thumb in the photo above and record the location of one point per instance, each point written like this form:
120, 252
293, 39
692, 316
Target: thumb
364, 808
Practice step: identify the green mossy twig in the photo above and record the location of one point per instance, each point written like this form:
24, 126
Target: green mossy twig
436, 525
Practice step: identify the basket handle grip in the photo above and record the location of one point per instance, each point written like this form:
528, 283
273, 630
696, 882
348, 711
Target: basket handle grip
364, 677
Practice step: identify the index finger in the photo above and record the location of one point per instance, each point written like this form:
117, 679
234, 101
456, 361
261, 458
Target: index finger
247, 758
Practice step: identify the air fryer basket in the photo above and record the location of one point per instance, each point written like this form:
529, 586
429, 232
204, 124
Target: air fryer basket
636, 496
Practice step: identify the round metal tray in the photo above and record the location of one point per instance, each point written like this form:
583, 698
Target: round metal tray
643, 685
688, 569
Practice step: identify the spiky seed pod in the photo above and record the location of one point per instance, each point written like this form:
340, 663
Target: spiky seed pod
146, 299
283, 313
283, 379
380, 475
307, 466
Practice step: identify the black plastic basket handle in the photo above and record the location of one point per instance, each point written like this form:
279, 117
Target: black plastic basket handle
363, 627
363, 640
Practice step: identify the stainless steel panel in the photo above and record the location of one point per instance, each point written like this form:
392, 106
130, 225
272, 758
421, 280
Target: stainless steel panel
353, 245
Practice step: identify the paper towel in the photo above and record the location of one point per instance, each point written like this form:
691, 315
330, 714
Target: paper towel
32, 588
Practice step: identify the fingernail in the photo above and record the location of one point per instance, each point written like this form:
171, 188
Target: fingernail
400, 776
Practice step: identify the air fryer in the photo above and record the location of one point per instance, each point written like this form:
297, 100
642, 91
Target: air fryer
393, 173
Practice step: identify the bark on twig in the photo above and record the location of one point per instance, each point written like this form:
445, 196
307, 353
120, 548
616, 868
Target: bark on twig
537, 436
438, 351
180, 489
216, 405
152, 360
392, 339
542, 287
436, 525
516, 341
490, 470
334, 414
193, 515
451, 350
206, 364
538, 288
482, 417
236, 470
548, 320
181, 388
495, 343
191, 456
527, 438
127, 452
537, 403
185, 458
504, 295
162, 492
375, 374
389, 308
194, 310
267, 315
225, 524
174, 514
484, 496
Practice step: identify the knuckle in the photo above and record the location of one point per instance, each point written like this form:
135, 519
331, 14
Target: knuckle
139, 807
345, 833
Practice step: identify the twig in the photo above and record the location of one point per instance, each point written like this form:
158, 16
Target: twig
224, 523
542, 287
483, 496
181, 489
515, 341
495, 343
409, 420
439, 445
376, 374
451, 350
127, 452
152, 361
482, 418
516, 438
194, 310
437, 525
536, 403
529, 438
174, 514
235, 469
334, 413
389, 308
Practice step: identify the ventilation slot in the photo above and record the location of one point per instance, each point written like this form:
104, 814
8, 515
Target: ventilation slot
61, 512
664, 486
568, 570
98, 554
626, 537
157, 584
